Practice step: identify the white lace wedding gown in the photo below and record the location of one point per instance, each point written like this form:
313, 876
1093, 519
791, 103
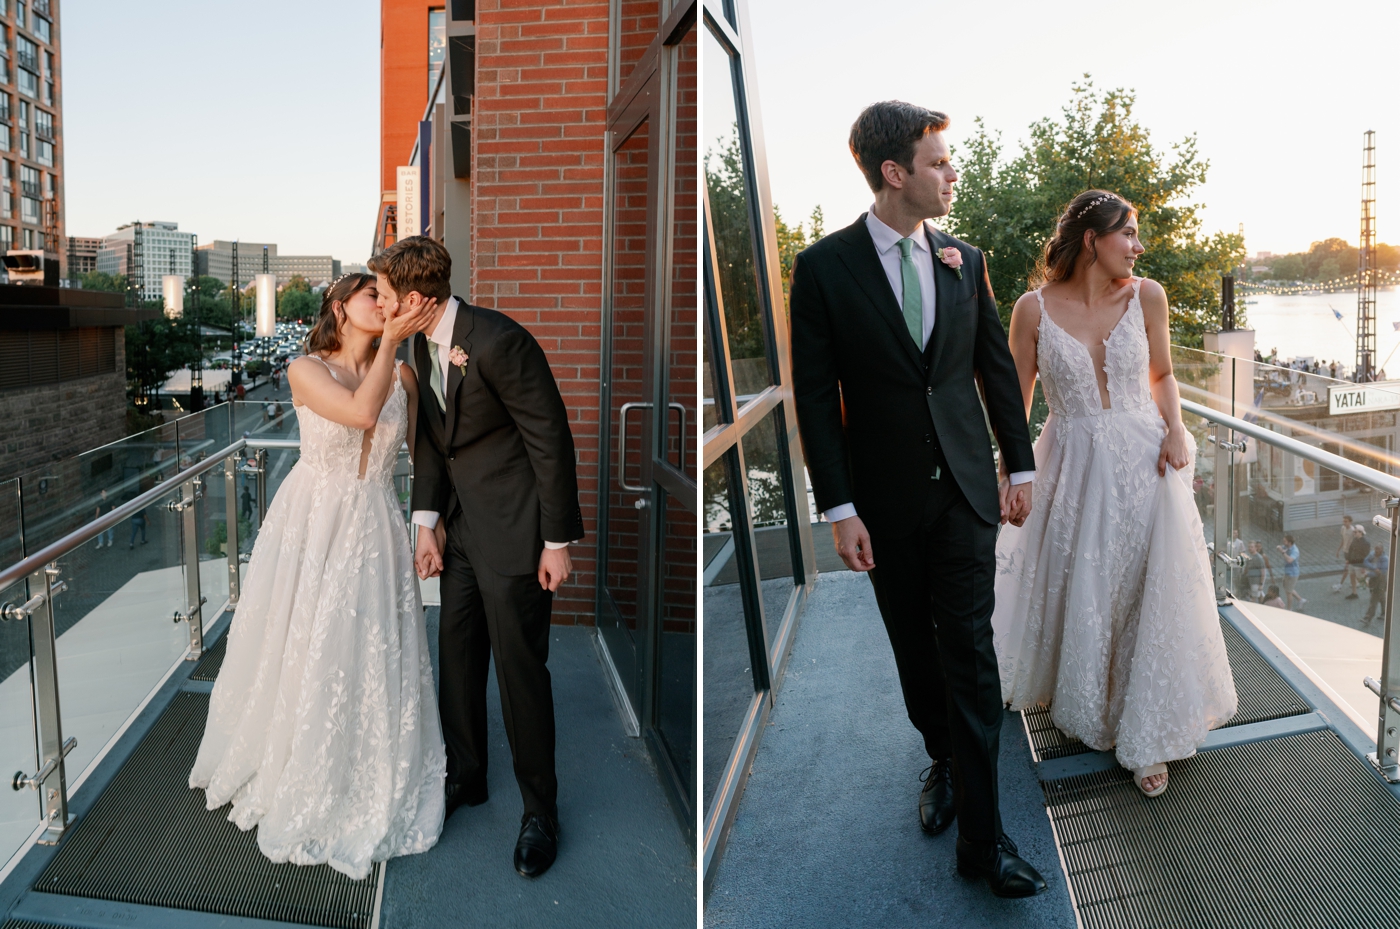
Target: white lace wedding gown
1105, 605
323, 725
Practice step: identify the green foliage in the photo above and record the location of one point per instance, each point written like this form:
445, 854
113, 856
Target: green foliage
1326, 261
255, 367
734, 254
97, 280
216, 539
155, 349
793, 239
297, 304
1009, 206
206, 299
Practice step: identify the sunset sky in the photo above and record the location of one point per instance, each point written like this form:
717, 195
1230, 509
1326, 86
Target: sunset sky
1279, 94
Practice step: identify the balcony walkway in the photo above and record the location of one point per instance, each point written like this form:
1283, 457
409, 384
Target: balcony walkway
1278, 821
146, 853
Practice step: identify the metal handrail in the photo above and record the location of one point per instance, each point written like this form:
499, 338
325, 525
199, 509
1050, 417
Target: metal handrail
1343, 466
88, 531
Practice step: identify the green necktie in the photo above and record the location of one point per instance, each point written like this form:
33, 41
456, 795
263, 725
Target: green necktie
913, 293
435, 378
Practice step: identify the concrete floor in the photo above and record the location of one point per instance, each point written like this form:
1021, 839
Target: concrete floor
827, 831
623, 860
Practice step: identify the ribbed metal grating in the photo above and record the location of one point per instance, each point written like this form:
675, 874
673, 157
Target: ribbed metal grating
213, 660
149, 840
28, 924
1292, 832
1263, 694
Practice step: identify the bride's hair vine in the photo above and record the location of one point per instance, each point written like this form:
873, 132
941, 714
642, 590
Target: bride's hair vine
1081, 215
1093, 203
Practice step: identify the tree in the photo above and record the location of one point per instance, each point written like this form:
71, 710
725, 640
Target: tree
296, 301
793, 239
1008, 207
155, 349
98, 280
206, 299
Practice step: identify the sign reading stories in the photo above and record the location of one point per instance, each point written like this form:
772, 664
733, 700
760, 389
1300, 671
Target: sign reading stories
1362, 399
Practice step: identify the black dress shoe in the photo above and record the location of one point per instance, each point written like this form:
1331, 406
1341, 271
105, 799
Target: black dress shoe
937, 807
1006, 873
462, 794
537, 846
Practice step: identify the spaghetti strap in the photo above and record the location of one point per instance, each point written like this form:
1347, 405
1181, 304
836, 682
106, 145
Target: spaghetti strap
1137, 286
1041, 297
327, 364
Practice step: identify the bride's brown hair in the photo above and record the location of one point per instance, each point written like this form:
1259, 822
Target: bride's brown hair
1097, 211
325, 334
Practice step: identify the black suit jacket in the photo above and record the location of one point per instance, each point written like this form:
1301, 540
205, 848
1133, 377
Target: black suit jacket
502, 453
903, 408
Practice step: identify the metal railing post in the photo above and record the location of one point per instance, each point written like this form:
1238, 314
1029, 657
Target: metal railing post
51, 780
1386, 757
1224, 462
194, 612
231, 527
262, 486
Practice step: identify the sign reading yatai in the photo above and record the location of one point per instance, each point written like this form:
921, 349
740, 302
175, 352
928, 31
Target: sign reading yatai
1360, 399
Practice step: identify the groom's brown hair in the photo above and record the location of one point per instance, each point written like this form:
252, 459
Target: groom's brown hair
416, 263
888, 131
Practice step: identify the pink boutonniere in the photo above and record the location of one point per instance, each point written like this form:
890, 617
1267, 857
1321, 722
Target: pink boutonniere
459, 358
951, 257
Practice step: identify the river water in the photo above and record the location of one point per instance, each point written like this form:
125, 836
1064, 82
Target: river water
1303, 325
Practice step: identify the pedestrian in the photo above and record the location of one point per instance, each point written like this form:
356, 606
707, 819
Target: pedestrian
1289, 550
241, 391
1256, 571
1342, 547
104, 507
138, 524
246, 504
1377, 569
1273, 599
1356, 558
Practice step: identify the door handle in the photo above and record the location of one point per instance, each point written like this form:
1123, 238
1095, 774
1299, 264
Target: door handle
680, 407
622, 445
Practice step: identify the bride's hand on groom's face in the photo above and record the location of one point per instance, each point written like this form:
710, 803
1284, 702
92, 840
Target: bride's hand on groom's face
401, 321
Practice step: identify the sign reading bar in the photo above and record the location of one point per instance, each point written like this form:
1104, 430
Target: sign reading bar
409, 203
1362, 399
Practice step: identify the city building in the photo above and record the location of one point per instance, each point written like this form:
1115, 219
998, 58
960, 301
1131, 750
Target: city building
553, 150
31, 137
62, 378
82, 255
216, 259
143, 253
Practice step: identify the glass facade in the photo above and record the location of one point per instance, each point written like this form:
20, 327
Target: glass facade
649, 504
437, 45
756, 537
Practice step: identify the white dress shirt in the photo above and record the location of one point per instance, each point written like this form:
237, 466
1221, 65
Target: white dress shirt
441, 340
887, 246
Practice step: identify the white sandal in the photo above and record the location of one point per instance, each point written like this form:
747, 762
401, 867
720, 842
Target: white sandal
1141, 774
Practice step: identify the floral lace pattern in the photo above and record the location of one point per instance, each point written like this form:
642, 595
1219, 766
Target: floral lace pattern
323, 725
1105, 604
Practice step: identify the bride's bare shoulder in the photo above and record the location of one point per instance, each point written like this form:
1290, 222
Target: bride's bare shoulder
1153, 297
1026, 311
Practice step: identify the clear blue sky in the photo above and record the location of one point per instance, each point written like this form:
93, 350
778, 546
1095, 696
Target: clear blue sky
1278, 94
254, 120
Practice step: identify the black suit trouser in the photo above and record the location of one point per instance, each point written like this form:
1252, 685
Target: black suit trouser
486, 615
935, 592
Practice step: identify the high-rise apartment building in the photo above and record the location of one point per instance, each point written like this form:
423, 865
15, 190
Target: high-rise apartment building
31, 146
146, 252
216, 260
82, 255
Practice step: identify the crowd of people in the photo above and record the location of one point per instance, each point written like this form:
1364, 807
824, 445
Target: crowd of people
1272, 580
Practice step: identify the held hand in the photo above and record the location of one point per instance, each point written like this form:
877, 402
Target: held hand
1020, 503
428, 558
555, 567
853, 543
1175, 451
1003, 494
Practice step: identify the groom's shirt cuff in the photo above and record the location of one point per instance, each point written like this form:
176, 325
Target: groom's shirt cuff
428, 519
553, 545
1022, 477
838, 513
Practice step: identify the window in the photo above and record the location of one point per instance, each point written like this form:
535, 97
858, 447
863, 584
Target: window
41, 28
437, 45
43, 152
29, 210
29, 180
4, 138
27, 235
5, 107
19, 14
27, 53
43, 124
28, 83
7, 237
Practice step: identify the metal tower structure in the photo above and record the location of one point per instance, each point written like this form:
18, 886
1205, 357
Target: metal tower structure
1366, 272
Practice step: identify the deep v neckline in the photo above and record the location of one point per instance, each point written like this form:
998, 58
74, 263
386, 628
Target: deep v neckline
1135, 298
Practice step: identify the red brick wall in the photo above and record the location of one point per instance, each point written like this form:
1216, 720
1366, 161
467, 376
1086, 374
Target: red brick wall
539, 115
403, 81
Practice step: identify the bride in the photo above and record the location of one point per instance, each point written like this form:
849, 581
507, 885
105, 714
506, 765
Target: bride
323, 725
1105, 604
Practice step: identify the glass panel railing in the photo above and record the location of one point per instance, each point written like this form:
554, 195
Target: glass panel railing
117, 637
19, 810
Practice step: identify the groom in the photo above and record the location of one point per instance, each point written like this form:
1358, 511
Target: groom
495, 498
894, 330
